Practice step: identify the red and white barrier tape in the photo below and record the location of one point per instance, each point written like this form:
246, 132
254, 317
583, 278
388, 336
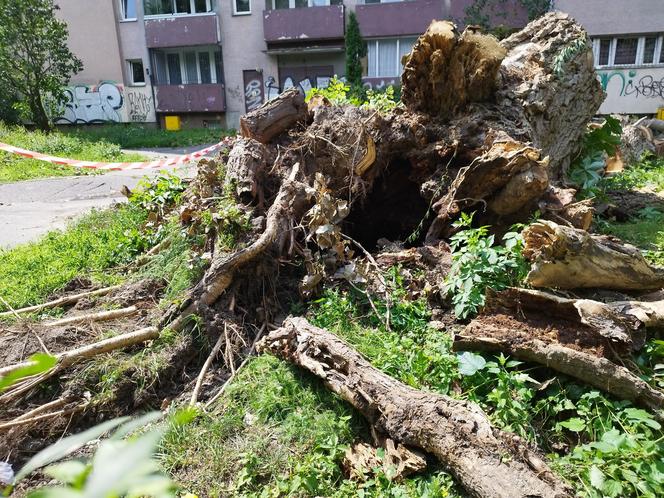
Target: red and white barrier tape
113, 166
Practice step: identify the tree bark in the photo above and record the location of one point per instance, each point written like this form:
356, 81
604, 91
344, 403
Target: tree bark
458, 433
568, 258
274, 117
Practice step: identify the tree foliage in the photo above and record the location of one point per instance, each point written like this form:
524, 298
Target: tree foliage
355, 50
35, 61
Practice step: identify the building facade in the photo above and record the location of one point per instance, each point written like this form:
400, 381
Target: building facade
628, 48
210, 61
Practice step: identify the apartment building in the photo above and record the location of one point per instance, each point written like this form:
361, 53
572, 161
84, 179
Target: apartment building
628, 49
210, 61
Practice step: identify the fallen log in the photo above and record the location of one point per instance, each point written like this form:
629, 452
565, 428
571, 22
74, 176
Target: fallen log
457, 432
482, 335
274, 117
568, 258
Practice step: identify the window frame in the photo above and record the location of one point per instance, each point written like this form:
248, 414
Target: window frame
399, 66
241, 13
130, 72
123, 11
210, 5
197, 50
658, 55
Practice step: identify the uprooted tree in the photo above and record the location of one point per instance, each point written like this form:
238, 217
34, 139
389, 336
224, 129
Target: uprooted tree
485, 126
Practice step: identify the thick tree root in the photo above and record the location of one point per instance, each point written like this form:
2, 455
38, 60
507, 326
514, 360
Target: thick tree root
458, 433
290, 203
482, 335
568, 258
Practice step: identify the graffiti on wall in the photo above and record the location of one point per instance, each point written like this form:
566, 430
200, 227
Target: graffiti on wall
253, 89
92, 104
632, 84
304, 78
140, 107
379, 83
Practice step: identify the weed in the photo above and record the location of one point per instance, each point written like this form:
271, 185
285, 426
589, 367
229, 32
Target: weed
478, 264
340, 93
158, 194
586, 170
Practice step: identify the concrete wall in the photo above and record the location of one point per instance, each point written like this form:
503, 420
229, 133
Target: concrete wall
92, 32
607, 17
634, 89
140, 103
243, 48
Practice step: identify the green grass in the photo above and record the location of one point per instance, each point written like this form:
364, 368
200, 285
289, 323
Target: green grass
133, 136
96, 243
16, 168
646, 230
278, 432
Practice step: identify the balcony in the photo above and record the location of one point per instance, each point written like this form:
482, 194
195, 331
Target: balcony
304, 25
398, 18
178, 31
191, 98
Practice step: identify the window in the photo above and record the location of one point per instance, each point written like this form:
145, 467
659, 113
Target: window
241, 7
128, 9
136, 72
189, 66
384, 56
629, 51
181, 7
604, 51
649, 49
626, 49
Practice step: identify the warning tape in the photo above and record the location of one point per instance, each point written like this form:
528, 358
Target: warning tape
114, 166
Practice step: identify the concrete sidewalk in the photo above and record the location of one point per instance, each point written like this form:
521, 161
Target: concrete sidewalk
30, 209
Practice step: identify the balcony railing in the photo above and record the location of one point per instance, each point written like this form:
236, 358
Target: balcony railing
304, 24
178, 31
190, 98
398, 18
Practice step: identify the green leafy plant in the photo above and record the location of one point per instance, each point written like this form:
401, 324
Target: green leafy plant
383, 101
158, 194
478, 264
587, 168
567, 53
336, 92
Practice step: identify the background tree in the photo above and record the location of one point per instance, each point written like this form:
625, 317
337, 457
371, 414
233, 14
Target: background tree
489, 13
355, 50
35, 61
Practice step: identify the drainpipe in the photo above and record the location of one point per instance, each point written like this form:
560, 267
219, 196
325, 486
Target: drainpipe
154, 98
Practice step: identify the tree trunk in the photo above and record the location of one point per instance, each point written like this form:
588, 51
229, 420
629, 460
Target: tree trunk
39, 115
274, 117
568, 258
458, 433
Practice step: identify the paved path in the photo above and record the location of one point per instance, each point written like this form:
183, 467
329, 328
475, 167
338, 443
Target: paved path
30, 209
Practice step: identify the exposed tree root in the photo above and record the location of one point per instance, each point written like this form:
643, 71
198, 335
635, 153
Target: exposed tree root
69, 358
568, 258
458, 433
63, 301
482, 335
100, 316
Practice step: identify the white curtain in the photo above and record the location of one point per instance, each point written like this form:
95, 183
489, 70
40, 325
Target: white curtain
387, 58
371, 55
